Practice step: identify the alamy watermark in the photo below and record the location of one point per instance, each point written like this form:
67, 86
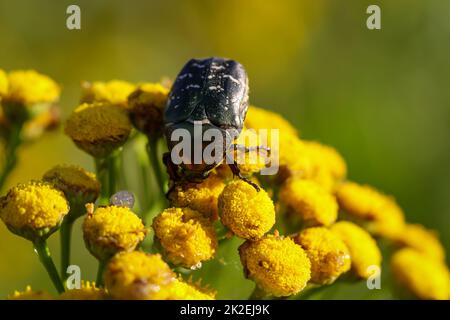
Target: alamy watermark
213, 146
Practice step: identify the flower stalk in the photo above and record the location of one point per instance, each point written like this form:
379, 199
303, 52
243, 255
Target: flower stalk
42, 250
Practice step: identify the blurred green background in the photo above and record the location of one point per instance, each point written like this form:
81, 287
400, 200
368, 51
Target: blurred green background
380, 97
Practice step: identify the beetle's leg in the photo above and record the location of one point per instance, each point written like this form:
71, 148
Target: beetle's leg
172, 171
241, 147
235, 169
172, 168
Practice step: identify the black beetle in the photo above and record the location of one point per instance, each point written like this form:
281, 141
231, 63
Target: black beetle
213, 92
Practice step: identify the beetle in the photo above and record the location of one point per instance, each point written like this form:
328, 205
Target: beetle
213, 92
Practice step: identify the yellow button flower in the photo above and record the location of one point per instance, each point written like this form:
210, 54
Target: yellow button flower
202, 197
421, 239
114, 92
112, 229
3, 84
307, 199
277, 265
328, 254
258, 118
379, 213
28, 87
146, 106
33, 210
98, 128
88, 291
79, 186
188, 238
180, 290
293, 159
254, 160
137, 275
30, 294
423, 277
246, 212
328, 165
364, 251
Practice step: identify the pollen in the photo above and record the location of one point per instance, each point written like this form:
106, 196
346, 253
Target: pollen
311, 202
114, 92
146, 106
28, 87
98, 128
421, 275
188, 238
277, 265
33, 210
202, 197
364, 252
112, 229
246, 212
328, 254
379, 213
137, 276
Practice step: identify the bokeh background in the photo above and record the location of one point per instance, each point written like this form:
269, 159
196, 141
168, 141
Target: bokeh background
380, 97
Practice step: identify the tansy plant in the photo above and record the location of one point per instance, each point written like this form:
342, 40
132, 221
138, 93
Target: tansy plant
308, 226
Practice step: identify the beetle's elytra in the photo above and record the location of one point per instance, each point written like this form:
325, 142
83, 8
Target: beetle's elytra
211, 91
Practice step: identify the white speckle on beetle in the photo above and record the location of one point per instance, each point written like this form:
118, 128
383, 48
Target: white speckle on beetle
197, 65
232, 79
216, 67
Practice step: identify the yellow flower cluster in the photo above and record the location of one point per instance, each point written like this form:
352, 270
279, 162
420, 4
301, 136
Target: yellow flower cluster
146, 106
33, 210
113, 92
87, 291
28, 88
202, 197
318, 245
138, 275
417, 237
79, 186
421, 275
277, 265
328, 254
30, 294
98, 128
28, 99
187, 237
112, 229
246, 212
308, 200
364, 252
3, 84
380, 213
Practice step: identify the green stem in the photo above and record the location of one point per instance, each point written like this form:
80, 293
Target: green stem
12, 143
100, 270
43, 252
101, 167
113, 161
152, 150
65, 238
107, 170
257, 294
